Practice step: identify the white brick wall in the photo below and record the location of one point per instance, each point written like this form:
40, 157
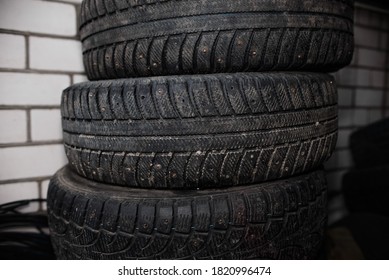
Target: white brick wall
345, 117
345, 96
46, 125
55, 54
13, 126
371, 58
32, 89
70, 1
340, 159
343, 138
31, 161
40, 55
363, 93
20, 191
367, 37
38, 17
368, 97
13, 51
44, 189
79, 78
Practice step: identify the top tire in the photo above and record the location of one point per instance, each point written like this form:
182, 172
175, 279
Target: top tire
163, 37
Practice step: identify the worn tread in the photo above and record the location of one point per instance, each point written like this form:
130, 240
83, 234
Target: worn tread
152, 38
278, 220
200, 131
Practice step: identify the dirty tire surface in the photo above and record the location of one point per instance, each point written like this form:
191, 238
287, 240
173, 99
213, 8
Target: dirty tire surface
278, 220
200, 131
370, 144
152, 38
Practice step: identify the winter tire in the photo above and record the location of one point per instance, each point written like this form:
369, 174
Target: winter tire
136, 38
277, 220
200, 131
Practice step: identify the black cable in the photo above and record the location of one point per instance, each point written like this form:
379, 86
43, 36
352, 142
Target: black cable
15, 241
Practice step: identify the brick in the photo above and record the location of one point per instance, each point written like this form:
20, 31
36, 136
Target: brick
343, 138
55, 54
366, 37
334, 180
38, 16
13, 51
384, 41
387, 96
364, 117
72, 1
44, 189
370, 78
368, 18
345, 96
346, 76
46, 125
337, 209
32, 89
354, 59
362, 16
339, 159
368, 97
345, 117
387, 79
374, 115
20, 191
374, 19
360, 117
377, 79
385, 23
363, 77
79, 78
31, 161
13, 126
371, 58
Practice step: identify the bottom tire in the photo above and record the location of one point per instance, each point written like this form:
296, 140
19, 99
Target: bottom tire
283, 219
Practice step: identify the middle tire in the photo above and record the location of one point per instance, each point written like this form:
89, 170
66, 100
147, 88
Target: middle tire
200, 131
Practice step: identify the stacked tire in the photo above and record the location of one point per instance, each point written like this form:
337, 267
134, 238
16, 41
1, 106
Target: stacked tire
365, 187
198, 136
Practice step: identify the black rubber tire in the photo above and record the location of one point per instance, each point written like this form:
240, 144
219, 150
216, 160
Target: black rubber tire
370, 145
200, 131
277, 220
367, 190
140, 38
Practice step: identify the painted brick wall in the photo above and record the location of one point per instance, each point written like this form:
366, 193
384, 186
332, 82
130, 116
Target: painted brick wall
40, 55
363, 89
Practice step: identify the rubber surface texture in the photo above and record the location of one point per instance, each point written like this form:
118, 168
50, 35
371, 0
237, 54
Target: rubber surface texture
200, 131
277, 220
151, 38
370, 145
